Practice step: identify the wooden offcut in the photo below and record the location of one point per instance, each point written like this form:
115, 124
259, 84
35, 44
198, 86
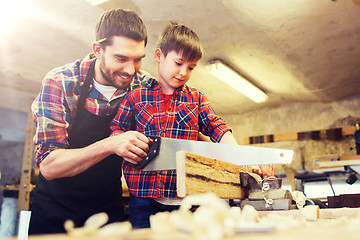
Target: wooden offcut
198, 174
337, 161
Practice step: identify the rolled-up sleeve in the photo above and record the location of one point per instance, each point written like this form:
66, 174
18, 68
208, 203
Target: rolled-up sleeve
51, 117
211, 124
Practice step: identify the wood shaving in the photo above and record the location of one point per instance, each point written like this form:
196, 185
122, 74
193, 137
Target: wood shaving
94, 225
214, 219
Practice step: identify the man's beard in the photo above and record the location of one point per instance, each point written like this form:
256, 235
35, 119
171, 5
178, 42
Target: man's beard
110, 77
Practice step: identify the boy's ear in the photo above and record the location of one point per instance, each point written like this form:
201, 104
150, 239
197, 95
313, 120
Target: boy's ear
158, 54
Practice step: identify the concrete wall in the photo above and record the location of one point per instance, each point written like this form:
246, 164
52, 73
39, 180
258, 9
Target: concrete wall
12, 125
299, 117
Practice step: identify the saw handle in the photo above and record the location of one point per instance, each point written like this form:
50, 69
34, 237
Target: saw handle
152, 153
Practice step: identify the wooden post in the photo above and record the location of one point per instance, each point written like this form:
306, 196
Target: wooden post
25, 180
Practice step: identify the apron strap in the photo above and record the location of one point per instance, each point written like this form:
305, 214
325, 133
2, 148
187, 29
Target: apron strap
84, 93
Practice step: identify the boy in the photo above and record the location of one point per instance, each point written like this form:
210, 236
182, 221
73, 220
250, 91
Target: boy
167, 107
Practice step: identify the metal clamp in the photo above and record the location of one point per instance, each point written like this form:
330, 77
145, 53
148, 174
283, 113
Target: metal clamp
264, 190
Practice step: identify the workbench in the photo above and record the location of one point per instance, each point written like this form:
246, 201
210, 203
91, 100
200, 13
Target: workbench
333, 224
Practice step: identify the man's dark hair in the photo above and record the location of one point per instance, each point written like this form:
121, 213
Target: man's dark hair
120, 22
181, 39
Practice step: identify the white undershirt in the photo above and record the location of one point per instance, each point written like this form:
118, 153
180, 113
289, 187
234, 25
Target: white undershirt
107, 91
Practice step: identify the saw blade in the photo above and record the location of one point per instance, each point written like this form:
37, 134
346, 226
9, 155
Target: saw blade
163, 153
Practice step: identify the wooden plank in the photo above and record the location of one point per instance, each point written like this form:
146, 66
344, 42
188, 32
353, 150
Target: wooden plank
329, 134
346, 131
285, 137
10, 187
336, 161
349, 157
197, 174
339, 163
25, 180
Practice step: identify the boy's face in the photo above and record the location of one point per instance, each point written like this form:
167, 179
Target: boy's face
174, 70
119, 61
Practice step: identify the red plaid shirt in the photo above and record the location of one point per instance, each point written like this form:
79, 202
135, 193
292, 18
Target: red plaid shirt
54, 109
143, 110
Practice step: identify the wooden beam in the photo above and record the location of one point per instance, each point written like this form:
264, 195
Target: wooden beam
329, 134
25, 180
340, 161
198, 174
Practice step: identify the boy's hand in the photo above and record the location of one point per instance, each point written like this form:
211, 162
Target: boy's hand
267, 171
264, 171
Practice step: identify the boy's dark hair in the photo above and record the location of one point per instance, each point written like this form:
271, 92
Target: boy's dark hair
120, 22
181, 39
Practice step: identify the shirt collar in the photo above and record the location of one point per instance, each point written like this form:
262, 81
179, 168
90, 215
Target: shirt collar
153, 83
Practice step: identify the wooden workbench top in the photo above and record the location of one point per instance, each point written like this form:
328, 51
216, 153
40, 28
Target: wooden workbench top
333, 224
316, 231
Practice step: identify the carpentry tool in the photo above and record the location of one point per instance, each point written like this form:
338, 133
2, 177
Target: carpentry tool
265, 194
162, 153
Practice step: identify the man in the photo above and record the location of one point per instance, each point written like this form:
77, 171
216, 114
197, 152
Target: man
80, 167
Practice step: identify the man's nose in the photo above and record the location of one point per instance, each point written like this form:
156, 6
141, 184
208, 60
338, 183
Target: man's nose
129, 68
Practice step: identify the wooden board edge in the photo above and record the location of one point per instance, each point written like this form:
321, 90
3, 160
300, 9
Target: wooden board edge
180, 174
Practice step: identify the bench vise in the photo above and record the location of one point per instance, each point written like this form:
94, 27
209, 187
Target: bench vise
265, 194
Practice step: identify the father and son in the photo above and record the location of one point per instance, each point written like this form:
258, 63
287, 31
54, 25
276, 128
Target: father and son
93, 116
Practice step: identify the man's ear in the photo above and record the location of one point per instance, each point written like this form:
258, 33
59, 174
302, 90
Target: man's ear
97, 49
158, 54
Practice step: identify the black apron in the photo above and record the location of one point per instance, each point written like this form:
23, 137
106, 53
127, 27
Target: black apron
98, 189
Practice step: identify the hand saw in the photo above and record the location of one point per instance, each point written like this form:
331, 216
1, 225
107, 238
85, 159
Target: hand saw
162, 153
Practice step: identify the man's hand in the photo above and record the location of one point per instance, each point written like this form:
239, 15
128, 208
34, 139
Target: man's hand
132, 146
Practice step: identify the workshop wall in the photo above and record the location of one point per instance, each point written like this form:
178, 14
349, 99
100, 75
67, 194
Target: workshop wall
287, 118
11, 159
12, 130
301, 117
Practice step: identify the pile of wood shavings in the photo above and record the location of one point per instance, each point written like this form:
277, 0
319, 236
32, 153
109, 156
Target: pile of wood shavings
94, 226
293, 224
214, 219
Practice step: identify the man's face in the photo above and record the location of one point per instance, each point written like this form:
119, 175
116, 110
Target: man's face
120, 61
